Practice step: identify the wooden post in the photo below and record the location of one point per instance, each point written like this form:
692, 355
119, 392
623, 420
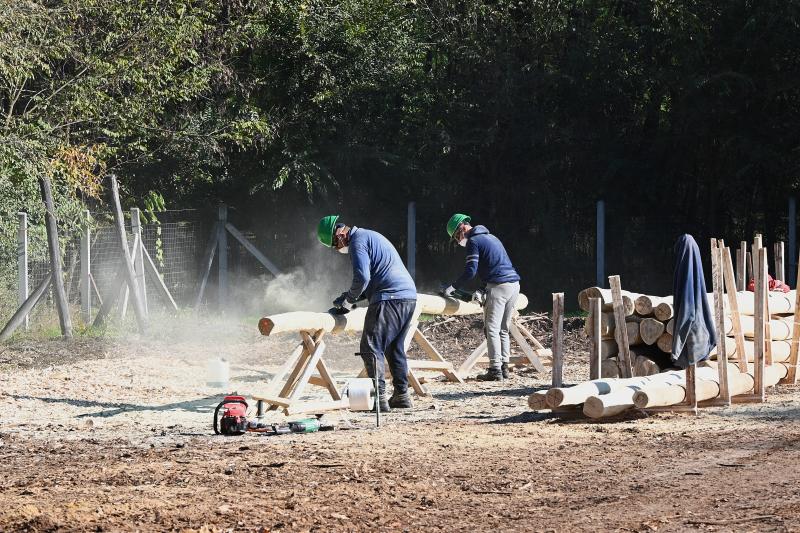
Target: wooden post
691, 386
22, 263
595, 315
741, 267
138, 256
86, 269
717, 264
750, 268
601, 244
780, 270
128, 271
758, 347
54, 248
558, 338
222, 257
18, 317
792, 235
411, 242
794, 353
620, 331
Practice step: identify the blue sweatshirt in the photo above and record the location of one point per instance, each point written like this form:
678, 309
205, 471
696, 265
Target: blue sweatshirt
486, 257
378, 271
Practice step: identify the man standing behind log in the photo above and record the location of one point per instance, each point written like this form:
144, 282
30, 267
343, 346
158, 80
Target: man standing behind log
380, 276
487, 258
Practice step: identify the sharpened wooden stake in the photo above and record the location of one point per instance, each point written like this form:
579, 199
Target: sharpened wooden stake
54, 248
741, 266
558, 338
595, 316
780, 271
733, 306
620, 333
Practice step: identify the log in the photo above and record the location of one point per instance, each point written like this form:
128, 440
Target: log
634, 338
781, 350
780, 328
606, 325
609, 368
621, 399
646, 304
707, 388
664, 342
440, 305
779, 303
650, 330
644, 366
664, 311
309, 321
537, 401
670, 327
605, 296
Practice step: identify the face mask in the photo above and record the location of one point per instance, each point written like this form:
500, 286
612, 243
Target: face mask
343, 249
463, 242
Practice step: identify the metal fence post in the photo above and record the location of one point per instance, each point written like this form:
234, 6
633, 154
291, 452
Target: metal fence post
22, 262
222, 257
138, 256
86, 264
411, 246
601, 244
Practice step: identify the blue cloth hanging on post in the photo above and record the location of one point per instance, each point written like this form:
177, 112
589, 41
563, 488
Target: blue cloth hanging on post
694, 334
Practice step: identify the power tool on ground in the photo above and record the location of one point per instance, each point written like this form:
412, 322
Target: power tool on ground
478, 296
230, 419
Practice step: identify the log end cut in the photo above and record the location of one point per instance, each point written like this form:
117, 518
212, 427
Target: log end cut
265, 326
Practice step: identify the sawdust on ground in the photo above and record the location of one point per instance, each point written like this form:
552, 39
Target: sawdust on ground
116, 435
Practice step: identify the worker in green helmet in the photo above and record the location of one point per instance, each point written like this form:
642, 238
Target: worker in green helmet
379, 276
487, 258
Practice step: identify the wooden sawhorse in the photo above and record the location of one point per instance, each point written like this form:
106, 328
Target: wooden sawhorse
531, 348
300, 367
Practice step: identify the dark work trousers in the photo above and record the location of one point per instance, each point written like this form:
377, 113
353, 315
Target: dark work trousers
385, 329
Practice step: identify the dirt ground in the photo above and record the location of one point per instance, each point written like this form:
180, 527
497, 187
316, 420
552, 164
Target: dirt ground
116, 435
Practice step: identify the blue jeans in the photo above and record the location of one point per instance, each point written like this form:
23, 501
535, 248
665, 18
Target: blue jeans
385, 329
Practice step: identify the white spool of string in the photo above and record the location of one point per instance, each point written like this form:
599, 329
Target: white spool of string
359, 392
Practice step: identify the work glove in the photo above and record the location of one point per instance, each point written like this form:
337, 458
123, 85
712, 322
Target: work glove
449, 291
479, 297
339, 302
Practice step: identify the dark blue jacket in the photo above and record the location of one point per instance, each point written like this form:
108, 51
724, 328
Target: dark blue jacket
378, 271
486, 257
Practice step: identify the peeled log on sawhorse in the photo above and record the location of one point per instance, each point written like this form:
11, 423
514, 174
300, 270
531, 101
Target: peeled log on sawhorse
707, 387
309, 321
605, 297
439, 305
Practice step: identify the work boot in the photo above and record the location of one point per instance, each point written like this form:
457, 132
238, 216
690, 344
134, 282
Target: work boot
493, 374
401, 400
504, 370
384, 404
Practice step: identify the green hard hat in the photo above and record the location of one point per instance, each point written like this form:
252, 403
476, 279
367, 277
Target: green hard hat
325, 229
455, 221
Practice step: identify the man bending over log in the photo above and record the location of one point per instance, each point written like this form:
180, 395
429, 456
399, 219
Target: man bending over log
487, 258
380, 276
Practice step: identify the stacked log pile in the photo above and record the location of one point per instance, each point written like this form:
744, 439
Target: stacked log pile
650, 326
